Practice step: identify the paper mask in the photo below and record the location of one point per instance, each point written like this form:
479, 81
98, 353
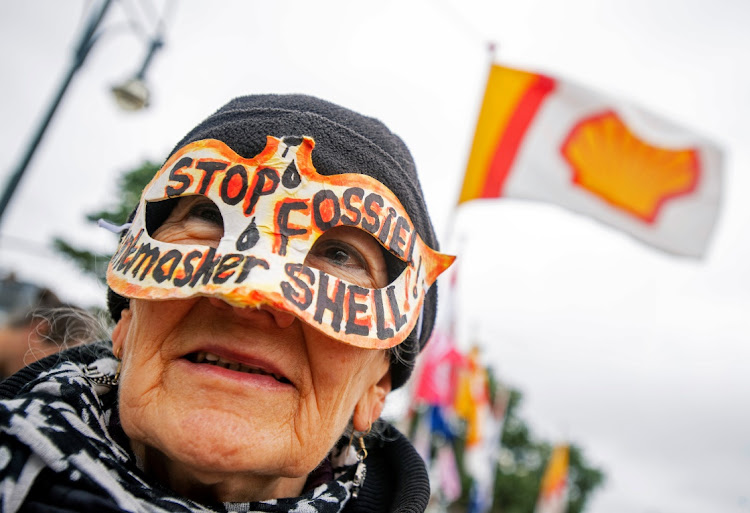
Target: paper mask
274, 207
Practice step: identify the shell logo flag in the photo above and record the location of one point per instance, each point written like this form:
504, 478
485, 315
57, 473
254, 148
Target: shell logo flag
553, 493
546, 139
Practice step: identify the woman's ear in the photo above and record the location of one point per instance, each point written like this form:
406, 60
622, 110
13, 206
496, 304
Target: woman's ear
371, 405
120, 333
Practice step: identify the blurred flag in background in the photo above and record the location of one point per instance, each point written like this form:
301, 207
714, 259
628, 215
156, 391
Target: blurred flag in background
546, 139
553, 495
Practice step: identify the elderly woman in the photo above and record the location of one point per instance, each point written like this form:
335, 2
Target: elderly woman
273, 287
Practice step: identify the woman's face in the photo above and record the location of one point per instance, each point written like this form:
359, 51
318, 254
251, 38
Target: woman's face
210, 389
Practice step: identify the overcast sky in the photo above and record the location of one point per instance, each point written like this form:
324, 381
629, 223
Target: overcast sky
639, 357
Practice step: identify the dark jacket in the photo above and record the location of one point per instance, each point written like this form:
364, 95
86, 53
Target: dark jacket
62, 449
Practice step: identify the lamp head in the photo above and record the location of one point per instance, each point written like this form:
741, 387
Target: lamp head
132, 94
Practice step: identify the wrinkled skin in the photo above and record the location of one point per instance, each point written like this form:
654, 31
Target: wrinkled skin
213, 433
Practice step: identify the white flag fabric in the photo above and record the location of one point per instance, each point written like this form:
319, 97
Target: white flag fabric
546, 139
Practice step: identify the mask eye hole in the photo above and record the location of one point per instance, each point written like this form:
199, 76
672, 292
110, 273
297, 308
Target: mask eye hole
393, 264
185, 220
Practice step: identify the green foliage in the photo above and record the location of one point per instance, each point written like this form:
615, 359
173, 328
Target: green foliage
521, 464
94, 264
584, 479
129, 187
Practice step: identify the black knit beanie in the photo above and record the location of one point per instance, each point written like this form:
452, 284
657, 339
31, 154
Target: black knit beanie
345, 142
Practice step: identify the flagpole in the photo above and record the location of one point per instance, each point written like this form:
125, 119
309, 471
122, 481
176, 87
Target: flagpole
450, 245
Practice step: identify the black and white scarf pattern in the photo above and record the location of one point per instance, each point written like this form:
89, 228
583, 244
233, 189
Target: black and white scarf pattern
60, 440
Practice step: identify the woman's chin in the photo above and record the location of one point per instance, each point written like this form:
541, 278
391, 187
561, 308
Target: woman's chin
216, 441
211, 468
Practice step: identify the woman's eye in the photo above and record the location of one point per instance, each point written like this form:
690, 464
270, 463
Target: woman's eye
350, 254
192, 220
340, 254
208, 212
337, 256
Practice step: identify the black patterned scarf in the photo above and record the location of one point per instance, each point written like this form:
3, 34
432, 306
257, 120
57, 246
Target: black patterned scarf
62, 449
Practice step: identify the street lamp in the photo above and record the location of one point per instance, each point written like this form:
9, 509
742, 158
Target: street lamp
133, 94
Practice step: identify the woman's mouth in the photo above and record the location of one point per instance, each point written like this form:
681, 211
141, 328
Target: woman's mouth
206, 358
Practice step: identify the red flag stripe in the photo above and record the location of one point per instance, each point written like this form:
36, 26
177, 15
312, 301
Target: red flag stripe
510, 140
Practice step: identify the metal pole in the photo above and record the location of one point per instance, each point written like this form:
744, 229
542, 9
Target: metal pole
84, 45
156, 43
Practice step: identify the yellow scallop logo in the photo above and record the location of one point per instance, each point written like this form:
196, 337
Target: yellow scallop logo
610, 161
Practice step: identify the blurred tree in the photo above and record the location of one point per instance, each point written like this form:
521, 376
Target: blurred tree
522, 462
129, 187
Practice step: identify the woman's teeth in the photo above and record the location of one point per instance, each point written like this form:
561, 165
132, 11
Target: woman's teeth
212, 359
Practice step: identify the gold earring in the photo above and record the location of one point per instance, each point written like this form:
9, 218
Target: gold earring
116, 379
361, 470
362, 452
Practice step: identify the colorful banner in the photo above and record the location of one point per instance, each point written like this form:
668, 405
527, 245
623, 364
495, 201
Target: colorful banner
471, 401
480, 459
553, 495
436, 375
547, 139
448, 476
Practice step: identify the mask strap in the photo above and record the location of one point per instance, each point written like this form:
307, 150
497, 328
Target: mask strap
420, 321
111, 227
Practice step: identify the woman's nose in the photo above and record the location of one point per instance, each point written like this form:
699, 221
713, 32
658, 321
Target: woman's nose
283, 319
280, 318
